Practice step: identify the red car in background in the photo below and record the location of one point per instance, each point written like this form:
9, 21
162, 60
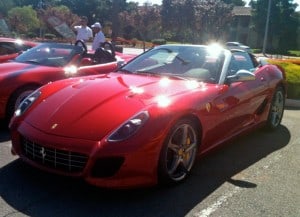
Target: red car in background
10, 48
49, 62
145, 123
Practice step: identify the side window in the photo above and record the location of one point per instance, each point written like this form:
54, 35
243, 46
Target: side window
2, 50
254, 60
7, 48
22, 47
241, 60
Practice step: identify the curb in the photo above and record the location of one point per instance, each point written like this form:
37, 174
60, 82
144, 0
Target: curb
292, 103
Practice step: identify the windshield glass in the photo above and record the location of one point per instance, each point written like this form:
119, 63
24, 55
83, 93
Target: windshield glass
50, 54
188, 62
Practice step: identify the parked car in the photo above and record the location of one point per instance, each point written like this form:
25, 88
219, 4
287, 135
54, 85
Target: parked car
10, 48
49, 62
237, 45
145, 123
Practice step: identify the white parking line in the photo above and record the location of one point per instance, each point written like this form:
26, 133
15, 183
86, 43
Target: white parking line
224, 198
212, 208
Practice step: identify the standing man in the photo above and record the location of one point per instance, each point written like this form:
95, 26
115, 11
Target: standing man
83, 31
99, 36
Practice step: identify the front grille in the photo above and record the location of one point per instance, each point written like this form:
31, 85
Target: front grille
53, 158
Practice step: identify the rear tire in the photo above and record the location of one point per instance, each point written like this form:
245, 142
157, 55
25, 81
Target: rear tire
179, 152
276, 109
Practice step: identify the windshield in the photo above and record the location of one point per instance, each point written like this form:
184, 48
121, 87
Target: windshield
50, 54
180, 61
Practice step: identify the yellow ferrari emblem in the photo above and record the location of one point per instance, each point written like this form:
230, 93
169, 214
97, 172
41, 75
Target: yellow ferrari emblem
208, 107
54, 126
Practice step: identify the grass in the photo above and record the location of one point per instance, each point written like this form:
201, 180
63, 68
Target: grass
294, 53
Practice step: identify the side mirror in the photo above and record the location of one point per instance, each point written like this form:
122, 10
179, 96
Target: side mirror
240, 76
262, 61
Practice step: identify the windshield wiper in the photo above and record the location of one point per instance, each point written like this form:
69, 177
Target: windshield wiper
32, 61
170, 75
146, 72
183, 61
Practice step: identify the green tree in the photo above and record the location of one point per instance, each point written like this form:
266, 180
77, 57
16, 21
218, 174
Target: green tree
5, 6
195, 21
178, 18
141, 22
23, 20
283, 24
117, 7
147, 22
213, 18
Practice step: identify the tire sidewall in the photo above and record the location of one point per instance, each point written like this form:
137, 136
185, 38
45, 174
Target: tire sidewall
163, 176
270, 125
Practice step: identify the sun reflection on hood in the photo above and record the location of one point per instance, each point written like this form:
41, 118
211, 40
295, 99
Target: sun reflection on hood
162, 101
136, 90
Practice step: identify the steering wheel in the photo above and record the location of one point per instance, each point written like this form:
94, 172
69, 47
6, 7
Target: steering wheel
105, 53
81, 44
109, 47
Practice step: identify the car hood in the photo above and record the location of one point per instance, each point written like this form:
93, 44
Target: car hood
92, 107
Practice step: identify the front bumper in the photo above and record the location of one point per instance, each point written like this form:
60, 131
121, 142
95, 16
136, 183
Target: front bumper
99, 163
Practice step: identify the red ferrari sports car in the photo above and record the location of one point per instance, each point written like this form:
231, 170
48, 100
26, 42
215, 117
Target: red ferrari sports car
49, 62
10, 48
146, 123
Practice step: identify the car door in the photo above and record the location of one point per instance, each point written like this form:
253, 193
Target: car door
239, 103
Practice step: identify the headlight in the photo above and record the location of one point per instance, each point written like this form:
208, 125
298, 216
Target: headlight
129, 128
27, 102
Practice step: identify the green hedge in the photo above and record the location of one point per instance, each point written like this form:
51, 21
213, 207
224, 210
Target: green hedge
293, 77
159, 41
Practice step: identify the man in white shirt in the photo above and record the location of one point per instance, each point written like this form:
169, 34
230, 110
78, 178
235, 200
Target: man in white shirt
84, 32
99, 36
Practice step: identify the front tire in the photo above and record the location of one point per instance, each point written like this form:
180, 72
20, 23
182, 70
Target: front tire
179, 152
276, 109
15, 100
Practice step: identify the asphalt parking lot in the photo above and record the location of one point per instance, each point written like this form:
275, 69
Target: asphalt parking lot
255, 175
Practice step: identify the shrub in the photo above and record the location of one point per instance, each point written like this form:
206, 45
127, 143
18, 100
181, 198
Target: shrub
159, 41
292, 71
292, 60
50, 36
294, 53
256, 50
31, 35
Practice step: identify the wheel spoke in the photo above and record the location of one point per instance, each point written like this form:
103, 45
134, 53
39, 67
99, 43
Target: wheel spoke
274, 118
173, 147
190, 147
185, 131
176, 162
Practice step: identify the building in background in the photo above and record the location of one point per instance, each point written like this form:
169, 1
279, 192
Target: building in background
240, 29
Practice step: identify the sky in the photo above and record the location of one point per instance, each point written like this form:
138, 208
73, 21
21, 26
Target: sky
159, 2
